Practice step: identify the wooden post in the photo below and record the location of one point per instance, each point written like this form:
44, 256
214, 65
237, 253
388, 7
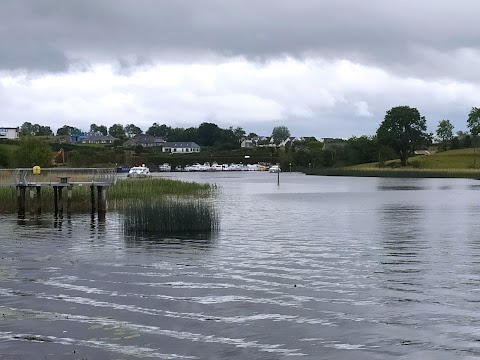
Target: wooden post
21, 199
69, 199
60, 200
31, 204
92, 198
39, 200
278, 177
102, 201
55, 199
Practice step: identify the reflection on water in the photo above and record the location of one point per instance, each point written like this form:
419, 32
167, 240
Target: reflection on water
318, 267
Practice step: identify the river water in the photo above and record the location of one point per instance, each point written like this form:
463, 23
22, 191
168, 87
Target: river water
313, 268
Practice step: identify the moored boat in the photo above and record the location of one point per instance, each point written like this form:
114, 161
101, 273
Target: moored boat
139, 171
274, 169
165, 167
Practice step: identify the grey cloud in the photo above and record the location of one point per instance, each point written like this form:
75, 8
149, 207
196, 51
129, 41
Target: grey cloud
45, 33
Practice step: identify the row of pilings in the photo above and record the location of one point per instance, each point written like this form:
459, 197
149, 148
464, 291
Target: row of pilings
61, 203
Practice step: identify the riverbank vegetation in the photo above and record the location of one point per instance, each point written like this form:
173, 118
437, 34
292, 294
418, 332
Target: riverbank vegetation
402, 134
147, 206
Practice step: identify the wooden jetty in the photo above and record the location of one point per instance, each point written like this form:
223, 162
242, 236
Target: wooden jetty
31, 181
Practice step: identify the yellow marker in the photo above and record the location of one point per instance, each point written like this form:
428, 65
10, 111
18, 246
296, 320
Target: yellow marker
36, 170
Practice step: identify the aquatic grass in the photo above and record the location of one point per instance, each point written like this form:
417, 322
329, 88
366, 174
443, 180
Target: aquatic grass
119, 195
155, 188
170, 217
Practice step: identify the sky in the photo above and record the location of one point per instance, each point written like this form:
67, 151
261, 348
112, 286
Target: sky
324, 68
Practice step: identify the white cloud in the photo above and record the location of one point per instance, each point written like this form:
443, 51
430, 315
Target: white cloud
310, 96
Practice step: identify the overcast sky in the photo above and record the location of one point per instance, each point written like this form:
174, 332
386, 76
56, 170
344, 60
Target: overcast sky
322, 68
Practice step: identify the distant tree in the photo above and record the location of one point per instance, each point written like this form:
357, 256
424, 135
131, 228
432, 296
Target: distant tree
445, 132
360, 150
132, 130
117, 131
32, 151
4, 158
190, 134
404, 130
160, 131
43, 130
208, 134
239, 133
29, 129
473, 123
252, 135
68, 130
99, 129
280, 133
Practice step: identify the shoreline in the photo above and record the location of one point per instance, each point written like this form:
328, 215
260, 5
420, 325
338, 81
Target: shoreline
398, 173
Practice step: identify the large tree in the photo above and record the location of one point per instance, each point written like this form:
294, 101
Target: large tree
473, 123
33, 151
132, 130
445, 132
117, 131
404, 130
30, 129
99, 129
160, 130
280, 133
67, 130
208, 134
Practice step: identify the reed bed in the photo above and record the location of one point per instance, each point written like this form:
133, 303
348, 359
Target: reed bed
155, 188
170, 217
119, 196
398, 173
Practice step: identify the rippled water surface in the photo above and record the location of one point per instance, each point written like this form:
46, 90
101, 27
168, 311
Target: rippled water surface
316, 268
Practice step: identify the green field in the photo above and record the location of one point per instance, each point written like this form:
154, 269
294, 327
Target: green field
453, 159
462, 163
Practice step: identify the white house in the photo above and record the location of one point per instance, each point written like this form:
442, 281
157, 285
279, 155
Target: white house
8, 133
181, 147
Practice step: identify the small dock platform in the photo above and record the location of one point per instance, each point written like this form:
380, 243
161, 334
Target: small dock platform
33, 180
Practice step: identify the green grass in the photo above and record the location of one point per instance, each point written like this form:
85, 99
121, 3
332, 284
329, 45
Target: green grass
447, 164
119, 196
152, 188
399, 172
170, 217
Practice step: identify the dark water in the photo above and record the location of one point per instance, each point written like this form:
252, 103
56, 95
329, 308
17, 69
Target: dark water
316, 268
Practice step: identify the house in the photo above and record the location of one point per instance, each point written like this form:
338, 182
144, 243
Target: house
8, 133
181, 147
92, 138
248, 143
98, 139
145, 141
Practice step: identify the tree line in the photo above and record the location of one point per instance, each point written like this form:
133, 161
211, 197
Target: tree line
402, 132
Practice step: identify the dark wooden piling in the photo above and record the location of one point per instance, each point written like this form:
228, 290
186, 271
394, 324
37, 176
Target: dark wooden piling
102, 200
69, 200
60, 200
92, 198
21, 199
39, 200
31, 192
55, 200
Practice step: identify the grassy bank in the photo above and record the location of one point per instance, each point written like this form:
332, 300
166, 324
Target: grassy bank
399, 173
462, 163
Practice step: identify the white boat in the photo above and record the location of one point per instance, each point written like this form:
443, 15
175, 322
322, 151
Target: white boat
165, 167
274, 169
139, 171
198, 167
